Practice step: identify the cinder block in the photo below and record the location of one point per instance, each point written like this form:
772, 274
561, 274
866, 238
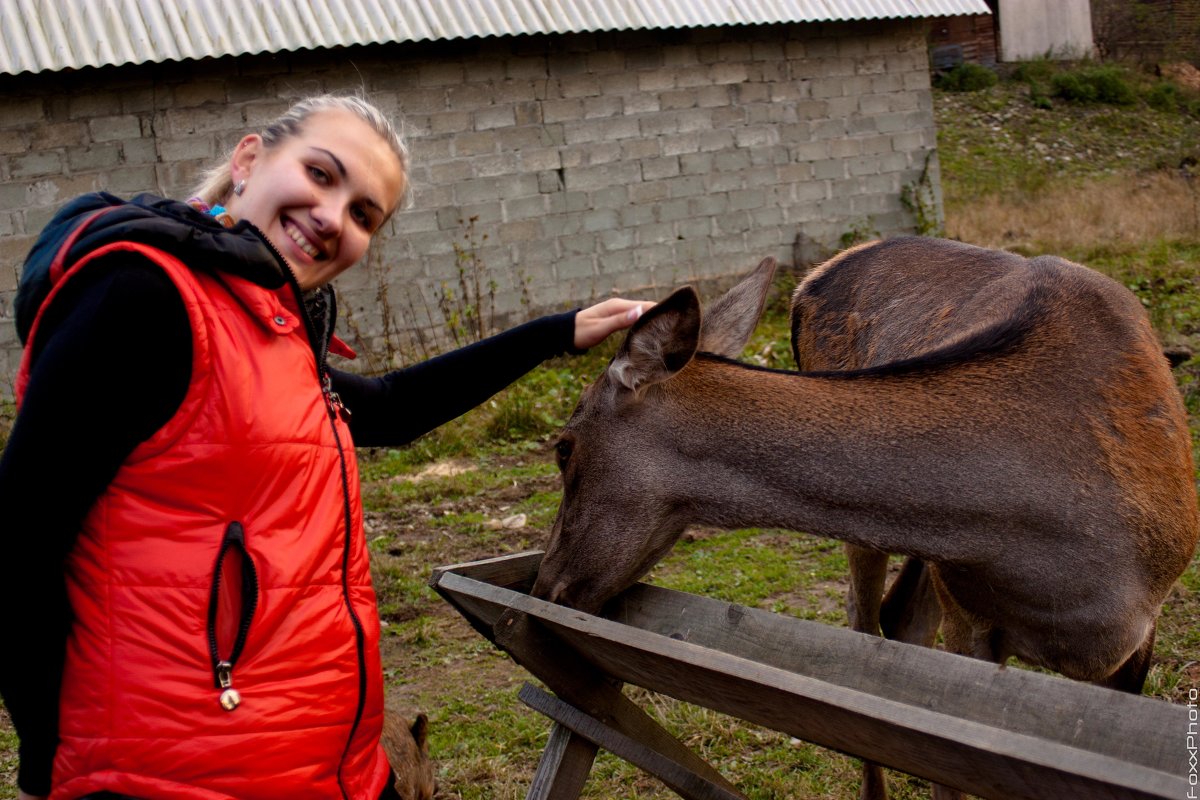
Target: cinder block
187, 148
586, 179
685, 186
474, 144
696, 163
711, 141
489, 166
562, 110
615, 197
523, 208
658, 168
728, 73
12, 142
93, 158
60, 134
709, 204
440, 73
581, 266
578, 86
641, 103
724, 181
602, 107
680, 144
756, 137
829, 169
656, 80
633, 149
698, 119
648, 193
677, 99
542, 158
693, 229
602, 219
35, 164
661, 124
550, 181
138, 151
617, 239
694, 77
672, 210
746, 199
654, 256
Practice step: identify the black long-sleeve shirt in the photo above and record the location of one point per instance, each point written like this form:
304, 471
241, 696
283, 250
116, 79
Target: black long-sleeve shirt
112, 365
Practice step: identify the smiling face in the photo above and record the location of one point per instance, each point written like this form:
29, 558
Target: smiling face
318, 196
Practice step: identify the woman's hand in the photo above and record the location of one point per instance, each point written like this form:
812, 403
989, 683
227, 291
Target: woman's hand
595, 323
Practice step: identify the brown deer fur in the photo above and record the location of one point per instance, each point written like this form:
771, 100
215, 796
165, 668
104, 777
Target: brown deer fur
407, 750
1009, 424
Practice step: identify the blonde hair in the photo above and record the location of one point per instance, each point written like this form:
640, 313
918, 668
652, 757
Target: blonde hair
216, 184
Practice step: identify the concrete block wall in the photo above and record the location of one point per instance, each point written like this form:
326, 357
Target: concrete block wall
549, 171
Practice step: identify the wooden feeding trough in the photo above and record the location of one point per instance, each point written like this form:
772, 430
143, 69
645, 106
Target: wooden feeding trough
993, 732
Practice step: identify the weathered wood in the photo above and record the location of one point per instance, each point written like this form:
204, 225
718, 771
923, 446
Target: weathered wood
516, 571
564, 766
579, 683
1102, 721
668, 771
1059, 754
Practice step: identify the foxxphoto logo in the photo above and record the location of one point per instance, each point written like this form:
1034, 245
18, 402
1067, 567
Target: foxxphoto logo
1192, 743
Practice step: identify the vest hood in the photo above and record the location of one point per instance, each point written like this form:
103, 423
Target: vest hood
167, 225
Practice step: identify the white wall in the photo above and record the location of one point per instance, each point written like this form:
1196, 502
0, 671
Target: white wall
1034, 28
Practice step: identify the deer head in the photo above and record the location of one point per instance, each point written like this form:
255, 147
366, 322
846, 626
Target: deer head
624, 496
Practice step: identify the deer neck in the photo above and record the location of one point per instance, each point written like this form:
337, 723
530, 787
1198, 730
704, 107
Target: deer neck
876, 461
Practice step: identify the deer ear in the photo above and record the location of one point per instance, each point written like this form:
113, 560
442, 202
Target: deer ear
660, 343
420, 729
729, 321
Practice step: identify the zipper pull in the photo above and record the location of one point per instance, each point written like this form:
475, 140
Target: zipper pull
334, 400
230, 697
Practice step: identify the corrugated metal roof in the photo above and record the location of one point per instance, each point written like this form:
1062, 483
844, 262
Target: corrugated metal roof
37, 35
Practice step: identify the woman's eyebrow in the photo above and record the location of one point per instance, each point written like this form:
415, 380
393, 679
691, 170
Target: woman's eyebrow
336, 161
341, 168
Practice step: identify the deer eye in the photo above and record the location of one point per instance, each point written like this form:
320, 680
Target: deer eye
562, 450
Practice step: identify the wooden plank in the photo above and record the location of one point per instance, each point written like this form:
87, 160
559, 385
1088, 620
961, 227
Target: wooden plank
564, 766
576, 681
1100, 720
516, 571
985, 759
662, 767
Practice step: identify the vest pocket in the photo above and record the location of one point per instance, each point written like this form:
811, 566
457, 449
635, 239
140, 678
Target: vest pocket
232, 601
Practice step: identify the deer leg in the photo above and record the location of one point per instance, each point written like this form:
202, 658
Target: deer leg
1131, 676
868, 572
911, 611
964, 635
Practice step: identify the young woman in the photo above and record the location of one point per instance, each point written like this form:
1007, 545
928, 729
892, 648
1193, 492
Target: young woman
193, 608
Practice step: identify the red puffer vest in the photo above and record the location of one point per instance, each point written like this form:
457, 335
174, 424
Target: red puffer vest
225, 642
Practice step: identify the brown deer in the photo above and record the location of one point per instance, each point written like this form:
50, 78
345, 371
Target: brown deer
1009, 424
407, 749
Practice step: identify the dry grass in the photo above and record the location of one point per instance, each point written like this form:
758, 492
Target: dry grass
1110, 212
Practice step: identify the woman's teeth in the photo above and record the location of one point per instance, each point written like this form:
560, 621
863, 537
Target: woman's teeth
299, 239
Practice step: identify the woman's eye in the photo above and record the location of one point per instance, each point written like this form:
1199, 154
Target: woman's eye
319, 175
361, 217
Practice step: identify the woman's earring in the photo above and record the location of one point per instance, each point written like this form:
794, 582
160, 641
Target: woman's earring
241, 187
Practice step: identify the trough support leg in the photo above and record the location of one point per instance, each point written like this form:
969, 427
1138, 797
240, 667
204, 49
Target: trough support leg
670, 772
564, 767
577, 682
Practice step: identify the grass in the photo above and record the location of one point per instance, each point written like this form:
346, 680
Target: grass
1108, 186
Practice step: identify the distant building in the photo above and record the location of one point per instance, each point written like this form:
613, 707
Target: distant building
1015, 30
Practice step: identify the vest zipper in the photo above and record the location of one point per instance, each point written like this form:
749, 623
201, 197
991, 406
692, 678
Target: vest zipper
336, 408
247, 596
